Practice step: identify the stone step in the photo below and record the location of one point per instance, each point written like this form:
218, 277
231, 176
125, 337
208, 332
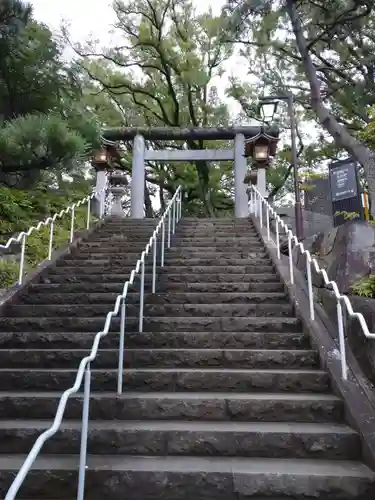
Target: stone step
169, 263
46, 295
201, 288
217, 223
192, 406
161, 358
173, 252
244, 237
120, 238
217, 233
95, 270
121, 268
151, 310
172, 255
172, 379
111, 247
142, 232
163, 279
116, 254
107, 278
182, 478
242, 243
154, 324
184, 438
108, 246
156, 340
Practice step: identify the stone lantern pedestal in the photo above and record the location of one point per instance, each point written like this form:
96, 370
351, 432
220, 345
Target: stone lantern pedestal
98, 202
118, 181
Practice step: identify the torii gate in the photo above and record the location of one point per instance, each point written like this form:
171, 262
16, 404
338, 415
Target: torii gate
240, 135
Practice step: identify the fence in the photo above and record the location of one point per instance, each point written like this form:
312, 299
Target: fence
173, 214
262, 209
50, 221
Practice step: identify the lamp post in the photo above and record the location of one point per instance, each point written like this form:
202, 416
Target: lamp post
266, 106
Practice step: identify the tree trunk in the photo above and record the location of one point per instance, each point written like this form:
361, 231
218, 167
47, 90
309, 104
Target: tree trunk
340, 134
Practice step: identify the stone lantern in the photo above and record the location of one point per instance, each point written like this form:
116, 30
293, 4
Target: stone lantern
101, 161
118, 183
260, 148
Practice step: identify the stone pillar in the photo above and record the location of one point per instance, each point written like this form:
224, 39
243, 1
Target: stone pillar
240, 168
138, 178
118, 182
262, 183
101, 181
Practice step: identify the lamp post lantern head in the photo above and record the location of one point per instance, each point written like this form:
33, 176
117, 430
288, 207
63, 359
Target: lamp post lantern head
267, 109
260, 149
101, 159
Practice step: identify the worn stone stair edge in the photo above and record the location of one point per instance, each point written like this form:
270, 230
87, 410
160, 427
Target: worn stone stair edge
162, 406
182, 438
178, 340
222, 478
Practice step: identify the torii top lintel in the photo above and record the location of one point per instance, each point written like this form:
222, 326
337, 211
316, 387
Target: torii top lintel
176, 133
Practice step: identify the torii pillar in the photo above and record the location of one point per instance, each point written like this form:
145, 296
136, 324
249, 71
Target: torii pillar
138, 178
240, 167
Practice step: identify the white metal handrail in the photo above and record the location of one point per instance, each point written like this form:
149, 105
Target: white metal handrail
50, 221
173, 213
257, 205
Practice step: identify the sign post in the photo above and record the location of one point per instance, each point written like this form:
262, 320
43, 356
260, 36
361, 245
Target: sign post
345, 191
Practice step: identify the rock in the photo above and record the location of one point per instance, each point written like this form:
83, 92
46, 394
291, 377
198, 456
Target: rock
362, 348
347, 253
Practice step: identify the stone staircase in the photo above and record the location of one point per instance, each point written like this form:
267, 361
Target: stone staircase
224, 397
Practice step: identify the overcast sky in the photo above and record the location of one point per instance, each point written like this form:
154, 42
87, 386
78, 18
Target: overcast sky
96, 17
88, 16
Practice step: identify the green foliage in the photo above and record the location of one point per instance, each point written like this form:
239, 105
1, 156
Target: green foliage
347, 215
368, 133
365, 287
19, 210
9, 270
43, 137
43, 124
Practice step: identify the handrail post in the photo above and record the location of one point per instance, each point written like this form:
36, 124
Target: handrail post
174, 216
310, 288
72, 225
260, 211
169, 229
268, 223
88, 213
291, 270
84, 433
120, 374
154, 264
162, 242
278, 238
141, 296
50, 244
340, 323
22, 260
179, 205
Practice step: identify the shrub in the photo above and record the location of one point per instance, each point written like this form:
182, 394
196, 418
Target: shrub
21, 209
8, 272
365, 287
